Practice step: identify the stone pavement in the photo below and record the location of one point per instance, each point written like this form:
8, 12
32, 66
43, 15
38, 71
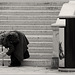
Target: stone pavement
31, 70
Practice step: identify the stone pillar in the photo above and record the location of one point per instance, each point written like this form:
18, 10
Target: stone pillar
55, 57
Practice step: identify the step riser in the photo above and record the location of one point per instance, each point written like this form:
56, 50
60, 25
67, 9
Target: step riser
29, 8
37, 63
29, 13
59, 3
35, 1
28, 17
38, 32
41, 40
40, 56
34, 32
30, 63
25, 27
40, 44
40, 50
27, 22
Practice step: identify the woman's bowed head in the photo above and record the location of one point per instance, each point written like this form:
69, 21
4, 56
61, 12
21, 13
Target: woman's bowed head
16, 42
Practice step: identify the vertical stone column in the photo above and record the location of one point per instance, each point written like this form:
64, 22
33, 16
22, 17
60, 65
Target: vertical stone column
55, 57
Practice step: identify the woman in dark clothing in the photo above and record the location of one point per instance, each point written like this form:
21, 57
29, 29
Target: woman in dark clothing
17, 44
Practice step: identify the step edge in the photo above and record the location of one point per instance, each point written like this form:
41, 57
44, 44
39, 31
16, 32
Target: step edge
30, 59
29, 11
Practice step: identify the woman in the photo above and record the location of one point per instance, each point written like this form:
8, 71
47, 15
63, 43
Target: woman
17, 44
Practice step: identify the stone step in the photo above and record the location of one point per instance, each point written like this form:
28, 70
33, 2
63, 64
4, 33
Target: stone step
40, 55
30, 7
28, 17
34, 32
25, 27
37, 62
40, 44
31, 62
39, 3
40, 38
27, 22
29, 12
40, 50
35, 56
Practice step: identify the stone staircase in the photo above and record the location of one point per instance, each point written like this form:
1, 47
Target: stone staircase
33, 18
